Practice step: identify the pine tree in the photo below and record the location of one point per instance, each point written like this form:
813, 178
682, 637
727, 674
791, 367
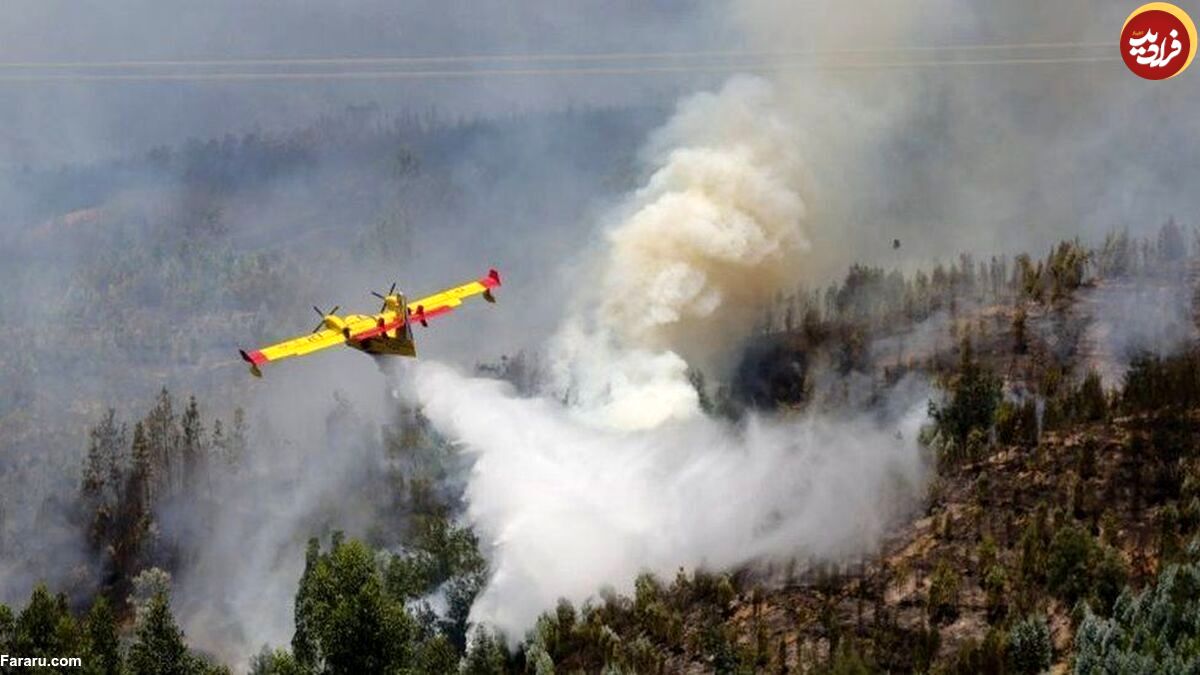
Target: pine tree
344, 620
102, 475
486, 655
162, 435
280, 662
102, 468
1029, 647
102, 638
303, 640
236, 442
1020, 336
133, 515
974, 395
193, 448
7, 630
1171, 245
37, 627
220, 444
191, 438
159, 648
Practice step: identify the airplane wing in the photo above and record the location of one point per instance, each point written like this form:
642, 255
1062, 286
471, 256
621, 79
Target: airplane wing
297, 346
306, 344
440, 303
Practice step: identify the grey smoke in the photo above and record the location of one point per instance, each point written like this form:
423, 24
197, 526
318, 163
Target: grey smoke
981, 158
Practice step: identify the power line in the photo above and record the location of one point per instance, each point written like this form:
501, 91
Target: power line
532, 58
726, 68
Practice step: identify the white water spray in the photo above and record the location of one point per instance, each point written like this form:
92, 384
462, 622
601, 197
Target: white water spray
629, 476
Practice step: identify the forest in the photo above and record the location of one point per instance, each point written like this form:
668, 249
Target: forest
832, 339
1059, 526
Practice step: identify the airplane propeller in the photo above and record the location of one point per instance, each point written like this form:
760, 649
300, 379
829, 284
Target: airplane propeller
323, 315
385, 297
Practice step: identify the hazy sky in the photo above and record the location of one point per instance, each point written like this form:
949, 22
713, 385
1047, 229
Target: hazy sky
52, 121
1021, 153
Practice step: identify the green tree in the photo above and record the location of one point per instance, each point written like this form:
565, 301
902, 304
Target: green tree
194, 447
345, 622
849, 660
105, 645
1067, 265
976, 657
38, 625
304, 645
486, 655
944, 588
162, 439
1154, 631
1020, 331
7, 630
1029, 647
235, 451
1068, 561
1016, 423
159, 648
276, 662
1171, 245
1078, 567
995, 583
974, 395
102, 473
133, 516
1091, 405
435, 655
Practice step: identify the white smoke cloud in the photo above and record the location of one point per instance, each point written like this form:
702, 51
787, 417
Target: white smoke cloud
1144, 315
716, 230
629, 476
713, 235
566, 507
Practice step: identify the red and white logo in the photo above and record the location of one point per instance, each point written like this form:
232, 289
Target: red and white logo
1158, 41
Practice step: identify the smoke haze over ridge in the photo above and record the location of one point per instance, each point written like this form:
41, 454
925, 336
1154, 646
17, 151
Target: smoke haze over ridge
832, 165
630, 476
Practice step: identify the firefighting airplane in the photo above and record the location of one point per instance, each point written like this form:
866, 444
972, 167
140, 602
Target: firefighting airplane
389, 331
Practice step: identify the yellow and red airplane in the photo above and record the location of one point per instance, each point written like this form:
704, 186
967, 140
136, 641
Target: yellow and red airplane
389, 331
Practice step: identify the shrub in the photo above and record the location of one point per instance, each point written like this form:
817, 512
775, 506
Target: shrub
989, 657
1090, 402
1016, 423
1152, 632
1153, 382
995, 582
974, 393
1029, 647
1078, 567
943, 593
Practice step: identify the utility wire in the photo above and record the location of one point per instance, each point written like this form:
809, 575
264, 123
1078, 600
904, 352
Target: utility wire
712, 68
532, 58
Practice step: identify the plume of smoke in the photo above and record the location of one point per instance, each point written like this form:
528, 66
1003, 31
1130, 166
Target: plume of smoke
310, 470
567, 507
712, 236
716, 231
629, 476
1126, 319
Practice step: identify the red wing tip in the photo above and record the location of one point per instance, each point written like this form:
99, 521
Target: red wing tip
254, 358
494, 276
